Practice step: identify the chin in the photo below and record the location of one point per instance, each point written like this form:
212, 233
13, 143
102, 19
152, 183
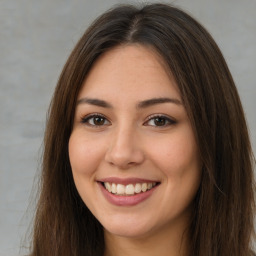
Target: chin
127, 229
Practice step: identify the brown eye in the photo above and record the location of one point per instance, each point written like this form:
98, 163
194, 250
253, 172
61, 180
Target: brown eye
95, 120
159, 121
98, 120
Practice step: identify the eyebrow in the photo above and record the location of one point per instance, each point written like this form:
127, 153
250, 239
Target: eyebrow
154, 101
95, 102
142, 104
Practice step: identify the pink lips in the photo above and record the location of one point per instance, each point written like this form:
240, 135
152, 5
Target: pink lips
125, 200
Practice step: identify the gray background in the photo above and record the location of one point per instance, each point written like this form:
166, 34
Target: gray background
36, 37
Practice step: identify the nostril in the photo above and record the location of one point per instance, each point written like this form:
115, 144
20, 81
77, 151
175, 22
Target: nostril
124, 152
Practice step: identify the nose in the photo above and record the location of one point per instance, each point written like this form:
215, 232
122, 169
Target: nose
124, 150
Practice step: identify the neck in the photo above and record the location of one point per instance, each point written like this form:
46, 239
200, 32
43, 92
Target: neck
172, 241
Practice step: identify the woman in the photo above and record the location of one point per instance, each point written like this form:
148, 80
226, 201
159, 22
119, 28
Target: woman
146, 147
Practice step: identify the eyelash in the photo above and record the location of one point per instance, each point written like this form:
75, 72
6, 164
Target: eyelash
86, 120
92, 117
167, 120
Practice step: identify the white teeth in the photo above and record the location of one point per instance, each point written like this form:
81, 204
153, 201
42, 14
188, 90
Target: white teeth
113, 188
120, 189
137, 188
144, 187
108, 187
130, 189
150, 185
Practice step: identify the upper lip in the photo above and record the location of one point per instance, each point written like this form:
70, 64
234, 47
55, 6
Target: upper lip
126, 181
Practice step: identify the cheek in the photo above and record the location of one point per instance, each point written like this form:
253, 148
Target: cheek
178, 159
84, 158
176, 155
84, 155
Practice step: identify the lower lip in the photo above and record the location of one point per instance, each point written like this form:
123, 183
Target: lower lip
126, 200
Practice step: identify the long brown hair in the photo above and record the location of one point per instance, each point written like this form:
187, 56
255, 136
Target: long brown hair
222, 222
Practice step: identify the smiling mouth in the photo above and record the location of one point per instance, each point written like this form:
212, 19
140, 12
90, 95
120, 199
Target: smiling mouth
130, 189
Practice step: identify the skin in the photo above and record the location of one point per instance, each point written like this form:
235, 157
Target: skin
129, 142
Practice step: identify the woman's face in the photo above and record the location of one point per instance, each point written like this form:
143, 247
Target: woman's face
132, 150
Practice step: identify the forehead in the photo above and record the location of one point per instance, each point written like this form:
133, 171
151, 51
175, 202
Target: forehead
129, 69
